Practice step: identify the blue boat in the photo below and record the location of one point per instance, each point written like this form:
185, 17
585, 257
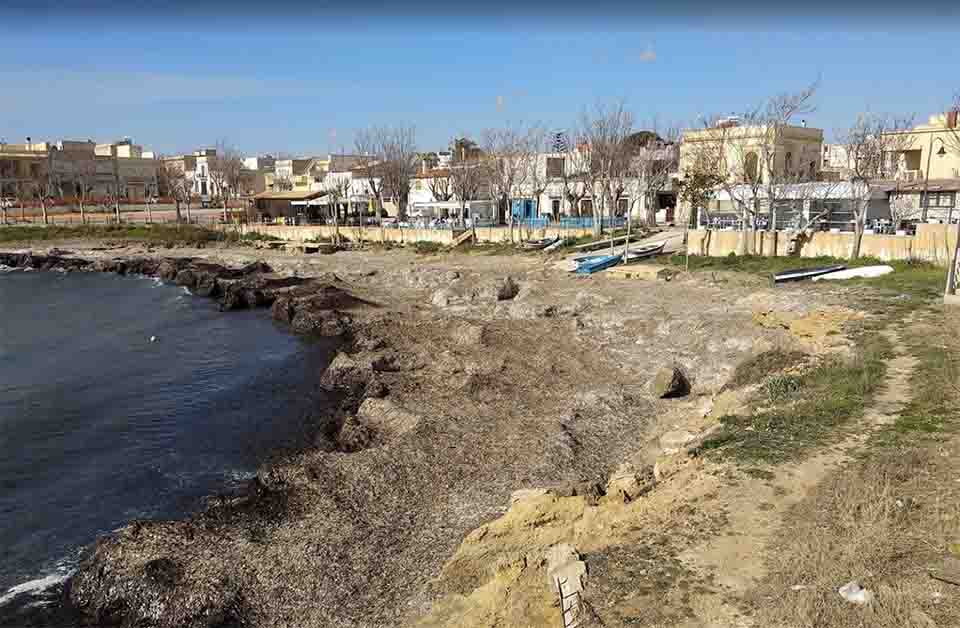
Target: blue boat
592, 263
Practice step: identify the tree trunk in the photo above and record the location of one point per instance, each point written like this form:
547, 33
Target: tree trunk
189, 217
650, 211
383, 238
177, 204
336, 223
83, 214
4, 208
224, 207
43, 209
116, 209
857, 238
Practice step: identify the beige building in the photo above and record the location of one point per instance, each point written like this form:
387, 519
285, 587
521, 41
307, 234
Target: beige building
743, 150
61, 170
933, 149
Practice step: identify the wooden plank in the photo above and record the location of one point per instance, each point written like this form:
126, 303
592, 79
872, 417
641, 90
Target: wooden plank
463, 237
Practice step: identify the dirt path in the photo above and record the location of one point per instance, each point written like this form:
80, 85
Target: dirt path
756, 507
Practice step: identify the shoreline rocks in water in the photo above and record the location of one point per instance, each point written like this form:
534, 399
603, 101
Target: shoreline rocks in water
309, 305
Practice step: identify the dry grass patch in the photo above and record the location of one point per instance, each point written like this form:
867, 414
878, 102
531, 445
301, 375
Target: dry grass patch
881, 522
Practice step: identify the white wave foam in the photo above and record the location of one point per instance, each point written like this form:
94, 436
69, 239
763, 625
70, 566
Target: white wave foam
33, 587
187, 290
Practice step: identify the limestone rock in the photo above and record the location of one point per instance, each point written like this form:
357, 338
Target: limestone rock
675, 441
670, 382
206, 285
386, 419
345, 371
469, 335
186, 278
667, 466
628, 483
524, 494
167, 270
498, 290
442, 297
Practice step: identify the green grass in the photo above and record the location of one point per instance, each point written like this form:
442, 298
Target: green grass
814, 405
187, 234
934, 387
916, 278
427, 248
253, 236
755, 369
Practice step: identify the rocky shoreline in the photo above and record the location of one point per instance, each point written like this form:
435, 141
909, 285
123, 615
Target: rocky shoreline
458, 385
310, 306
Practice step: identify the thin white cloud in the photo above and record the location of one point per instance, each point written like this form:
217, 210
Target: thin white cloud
648, 55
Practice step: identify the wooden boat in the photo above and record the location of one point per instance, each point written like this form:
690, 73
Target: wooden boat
855, 273
536, 245
594, 263
642, 252
599, 244
805, 273
554, 246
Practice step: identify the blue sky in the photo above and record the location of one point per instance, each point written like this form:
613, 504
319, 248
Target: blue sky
304, 83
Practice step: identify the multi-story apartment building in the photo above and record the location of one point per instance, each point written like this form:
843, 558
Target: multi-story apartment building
68, 167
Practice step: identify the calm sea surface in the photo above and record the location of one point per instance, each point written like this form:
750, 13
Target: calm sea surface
99, 425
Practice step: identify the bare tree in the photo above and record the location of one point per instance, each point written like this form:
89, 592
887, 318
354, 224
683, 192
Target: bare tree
605, 132
282, 183
400, 158
440, 187
175, 181
369, 145
537, 179
224, 171
40, 178
467, 180
573, 175
874, 144
337, 187
902, 207
652, 164
85, 173
507, 153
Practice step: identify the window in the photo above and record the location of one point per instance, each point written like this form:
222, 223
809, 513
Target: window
555, 167
555, 206
940, 199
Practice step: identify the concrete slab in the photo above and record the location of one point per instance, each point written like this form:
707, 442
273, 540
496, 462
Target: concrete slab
951, 299
640, 271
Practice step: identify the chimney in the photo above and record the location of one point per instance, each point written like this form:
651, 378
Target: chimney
803, 123
952, 119
28, 139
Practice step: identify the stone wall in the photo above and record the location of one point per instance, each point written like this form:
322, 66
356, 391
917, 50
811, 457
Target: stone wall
932, 243
404, 235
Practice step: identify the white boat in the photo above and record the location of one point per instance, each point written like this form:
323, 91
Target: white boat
853, 273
